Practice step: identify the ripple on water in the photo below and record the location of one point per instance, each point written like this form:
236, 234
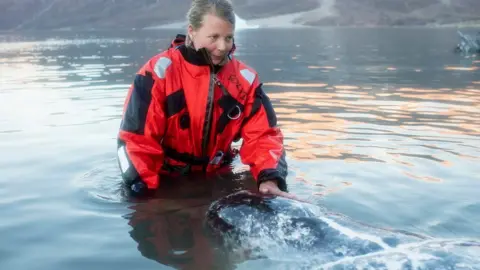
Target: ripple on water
405, 115
345, 243
431, 254
378, 148
102, 184
392, 145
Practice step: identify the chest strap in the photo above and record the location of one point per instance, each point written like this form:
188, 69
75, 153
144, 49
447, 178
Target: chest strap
185, 157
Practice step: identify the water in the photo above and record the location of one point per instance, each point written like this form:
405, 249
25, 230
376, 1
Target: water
381, 126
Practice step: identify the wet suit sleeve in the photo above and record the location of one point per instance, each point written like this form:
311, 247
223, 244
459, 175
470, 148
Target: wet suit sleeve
262, 148
140, 155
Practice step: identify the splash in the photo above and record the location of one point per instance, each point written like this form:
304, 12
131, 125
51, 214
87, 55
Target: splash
431, 254
277, 231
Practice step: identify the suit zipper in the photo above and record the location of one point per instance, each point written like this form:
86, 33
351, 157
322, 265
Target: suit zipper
209, 110
208, 116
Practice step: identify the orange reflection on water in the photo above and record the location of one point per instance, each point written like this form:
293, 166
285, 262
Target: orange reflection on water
461, 68
302, 179
423, 178
398, 116
327, 124
334, 124
321, 67
418, 90
346, 87
280, 84
447, 163
307, 143
402, 162
464, 156
364, 94
327, 191
464, 95
282, 110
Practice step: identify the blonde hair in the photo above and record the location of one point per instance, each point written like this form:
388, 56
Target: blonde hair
199, 8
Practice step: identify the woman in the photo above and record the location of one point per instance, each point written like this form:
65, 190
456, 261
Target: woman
189, 103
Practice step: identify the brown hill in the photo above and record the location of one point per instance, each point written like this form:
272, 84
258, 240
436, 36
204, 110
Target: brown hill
127, 14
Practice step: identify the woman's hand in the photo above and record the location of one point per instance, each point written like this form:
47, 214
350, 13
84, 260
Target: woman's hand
271, 188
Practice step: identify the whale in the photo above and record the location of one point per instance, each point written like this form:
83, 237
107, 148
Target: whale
273, 231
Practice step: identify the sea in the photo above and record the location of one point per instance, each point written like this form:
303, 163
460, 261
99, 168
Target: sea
381, 129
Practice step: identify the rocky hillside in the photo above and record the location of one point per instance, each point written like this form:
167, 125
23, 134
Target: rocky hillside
393, 12
110, 14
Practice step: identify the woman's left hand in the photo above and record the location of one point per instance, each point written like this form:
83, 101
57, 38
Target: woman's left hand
271, 188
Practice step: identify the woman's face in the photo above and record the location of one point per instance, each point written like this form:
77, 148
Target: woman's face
215, 35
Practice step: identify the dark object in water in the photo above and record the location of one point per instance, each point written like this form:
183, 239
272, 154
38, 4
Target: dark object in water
263, 224
245, 215
252, 227
468, 44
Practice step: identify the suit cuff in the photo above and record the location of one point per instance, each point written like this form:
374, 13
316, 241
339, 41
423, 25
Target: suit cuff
272, 175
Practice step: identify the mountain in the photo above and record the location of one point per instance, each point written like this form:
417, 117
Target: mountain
127, 14
393, 12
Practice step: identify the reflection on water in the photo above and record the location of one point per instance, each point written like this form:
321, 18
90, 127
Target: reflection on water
294, 84
170, 228
345, 121
462, 68
317, 67
358, 124
172, 237
376, 128
90, 84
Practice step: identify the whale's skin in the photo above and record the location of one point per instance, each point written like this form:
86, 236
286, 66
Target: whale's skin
252, 220
297, 237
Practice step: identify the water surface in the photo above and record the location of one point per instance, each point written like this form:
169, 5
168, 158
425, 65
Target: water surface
380, 125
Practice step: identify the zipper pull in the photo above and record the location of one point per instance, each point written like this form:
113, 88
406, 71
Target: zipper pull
219, 84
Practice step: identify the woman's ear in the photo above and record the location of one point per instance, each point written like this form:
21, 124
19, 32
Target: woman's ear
190, 32
190, 35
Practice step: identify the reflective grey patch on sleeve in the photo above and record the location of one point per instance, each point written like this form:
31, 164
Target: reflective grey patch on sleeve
248, 75
161, 66
122, 158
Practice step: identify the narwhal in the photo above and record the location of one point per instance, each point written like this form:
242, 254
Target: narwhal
280, 229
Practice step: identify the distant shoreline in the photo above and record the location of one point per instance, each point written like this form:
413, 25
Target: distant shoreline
294, 20
431, 26
466, 24
182, 25
279, 21
476, 27
265, 23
